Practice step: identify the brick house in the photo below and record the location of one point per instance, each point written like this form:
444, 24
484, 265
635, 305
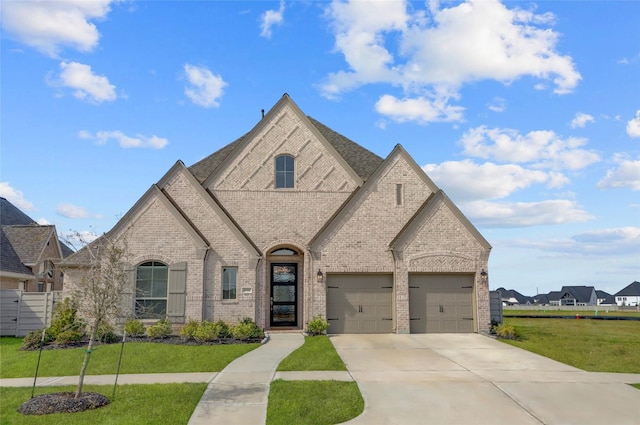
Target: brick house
294, 220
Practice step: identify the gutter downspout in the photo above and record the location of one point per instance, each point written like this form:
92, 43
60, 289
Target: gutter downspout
204, 282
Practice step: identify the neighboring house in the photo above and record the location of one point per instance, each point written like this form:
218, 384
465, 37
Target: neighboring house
578, 296
512, 297
629, 295
605, 298
29, 252
294, 220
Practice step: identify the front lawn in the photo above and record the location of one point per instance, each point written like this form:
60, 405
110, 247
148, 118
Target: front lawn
317, 353
133, 405
138, 357
602, 311
591, 345
313, 402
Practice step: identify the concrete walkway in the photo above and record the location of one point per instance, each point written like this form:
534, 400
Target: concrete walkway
239, 394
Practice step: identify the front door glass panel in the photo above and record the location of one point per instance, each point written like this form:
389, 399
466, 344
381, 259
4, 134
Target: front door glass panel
283, 294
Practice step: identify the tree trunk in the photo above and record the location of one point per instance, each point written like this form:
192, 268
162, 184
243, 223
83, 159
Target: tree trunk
85, 362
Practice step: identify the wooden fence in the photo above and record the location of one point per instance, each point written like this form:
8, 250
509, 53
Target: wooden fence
22, 312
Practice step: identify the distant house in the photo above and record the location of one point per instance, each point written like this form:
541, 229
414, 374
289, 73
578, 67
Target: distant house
629, 295
512, 297
28, 252
552, 298
605, 298
578, 296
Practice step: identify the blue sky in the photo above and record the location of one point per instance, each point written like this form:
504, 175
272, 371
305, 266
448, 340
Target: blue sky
526, 113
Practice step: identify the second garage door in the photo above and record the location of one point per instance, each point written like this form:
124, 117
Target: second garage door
359, 303
441, 303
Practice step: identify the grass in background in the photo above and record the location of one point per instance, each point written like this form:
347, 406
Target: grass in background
313, 402
138, 357
591, 345
133, 405
317, 353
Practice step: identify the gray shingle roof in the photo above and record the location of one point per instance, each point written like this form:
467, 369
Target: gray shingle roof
28, 241
631, 290
363, 161
580, 293
11, 215
9, 259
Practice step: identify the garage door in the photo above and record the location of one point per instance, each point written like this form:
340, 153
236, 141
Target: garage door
359, 303
441, 303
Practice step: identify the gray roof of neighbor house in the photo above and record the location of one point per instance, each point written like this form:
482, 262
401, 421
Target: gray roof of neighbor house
29, 241
631, 290
512, 293
9, 259
580, 293
11, 215
602, 294
361, 160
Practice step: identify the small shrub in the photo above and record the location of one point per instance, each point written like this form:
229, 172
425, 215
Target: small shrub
221, 330
162, 329
246, 329
106, 334
68, 336
317, 326
507, 332
494, 326
189, 329
204, 332
134, 328
33, 338
65, 318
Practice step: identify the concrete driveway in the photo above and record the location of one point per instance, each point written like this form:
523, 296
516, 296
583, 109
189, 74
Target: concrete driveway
459, 379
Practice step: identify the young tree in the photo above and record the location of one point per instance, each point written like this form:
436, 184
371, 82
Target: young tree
97, 287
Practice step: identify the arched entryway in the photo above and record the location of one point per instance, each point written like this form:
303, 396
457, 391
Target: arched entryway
285, 277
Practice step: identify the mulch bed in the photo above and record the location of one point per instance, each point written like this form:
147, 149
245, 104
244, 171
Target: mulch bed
62, 402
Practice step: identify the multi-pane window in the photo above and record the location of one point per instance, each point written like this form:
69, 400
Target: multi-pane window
151, 290
285, 171
229, 283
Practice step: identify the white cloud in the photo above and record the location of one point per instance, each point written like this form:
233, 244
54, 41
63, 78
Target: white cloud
542, 149
498, 104
418, 109
139, 141
86, 85
581, 119
467, 181
49, 25
440, 49
43, 221
77, 240
620, 241
633, 125
524, 214
625, 175
74, 211
15, 196
206, 89
271, 18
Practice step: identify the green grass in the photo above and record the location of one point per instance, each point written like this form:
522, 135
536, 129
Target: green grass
138, 357
591, 345
602, 311
317, 353
133, 405
313, 402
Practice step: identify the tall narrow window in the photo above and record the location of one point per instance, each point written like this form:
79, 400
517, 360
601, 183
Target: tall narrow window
229, 275
399, 194
284, 171
151, 290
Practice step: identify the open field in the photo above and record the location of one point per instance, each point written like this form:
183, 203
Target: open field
592, 345
138, 357
133, 405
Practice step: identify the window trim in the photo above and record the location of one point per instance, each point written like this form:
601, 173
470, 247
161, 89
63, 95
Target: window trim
285, 172
138, 297
226, 286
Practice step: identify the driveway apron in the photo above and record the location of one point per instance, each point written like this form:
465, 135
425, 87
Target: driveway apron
459, 379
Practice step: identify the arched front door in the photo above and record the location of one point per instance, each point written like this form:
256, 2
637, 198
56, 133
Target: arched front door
285, 287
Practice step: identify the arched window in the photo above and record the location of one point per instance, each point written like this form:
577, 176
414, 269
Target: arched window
285, 171
151, 290
284, 251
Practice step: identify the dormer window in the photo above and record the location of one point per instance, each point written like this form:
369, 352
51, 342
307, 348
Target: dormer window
284, 172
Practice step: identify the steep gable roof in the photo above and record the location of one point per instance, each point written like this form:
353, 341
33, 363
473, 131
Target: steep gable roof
631, 290
29, 241
580, 293
361, 161
9, 259
11, 215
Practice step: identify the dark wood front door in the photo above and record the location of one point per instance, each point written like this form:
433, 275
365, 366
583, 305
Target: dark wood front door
284, 304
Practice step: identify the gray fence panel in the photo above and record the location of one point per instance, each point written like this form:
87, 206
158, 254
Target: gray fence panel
23, 312
495, 306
